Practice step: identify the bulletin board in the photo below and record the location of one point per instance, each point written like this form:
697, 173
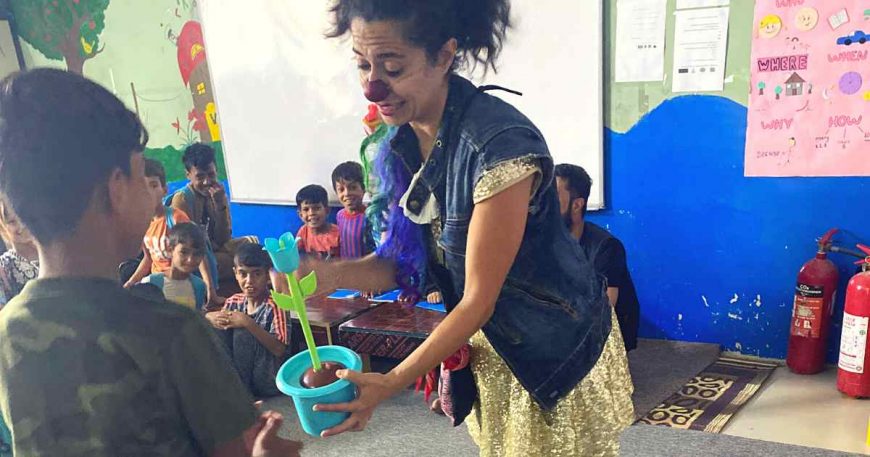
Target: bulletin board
809, 107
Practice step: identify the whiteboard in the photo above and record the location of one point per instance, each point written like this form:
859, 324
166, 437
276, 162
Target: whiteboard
290, 104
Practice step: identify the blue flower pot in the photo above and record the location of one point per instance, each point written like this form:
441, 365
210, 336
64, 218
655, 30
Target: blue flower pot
314, 422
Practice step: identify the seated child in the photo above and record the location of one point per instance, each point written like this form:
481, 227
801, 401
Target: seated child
20, 263
156, 254
318, 237
87, 367
251, 325
204, 199
179, 284
355, 235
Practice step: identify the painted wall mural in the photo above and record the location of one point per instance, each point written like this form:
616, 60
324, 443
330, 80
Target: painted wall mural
148, 53
194, 72
67, 30
809, 110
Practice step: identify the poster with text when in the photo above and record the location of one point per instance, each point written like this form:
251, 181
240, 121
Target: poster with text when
809, 107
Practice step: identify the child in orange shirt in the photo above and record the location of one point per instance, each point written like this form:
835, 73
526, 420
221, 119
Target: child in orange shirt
157, 255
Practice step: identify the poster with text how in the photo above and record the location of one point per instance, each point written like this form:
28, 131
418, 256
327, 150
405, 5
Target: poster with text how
809, 107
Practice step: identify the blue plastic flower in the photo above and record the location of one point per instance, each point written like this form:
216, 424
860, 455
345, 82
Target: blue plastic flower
283, 251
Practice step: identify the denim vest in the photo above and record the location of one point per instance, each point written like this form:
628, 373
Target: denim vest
552, 317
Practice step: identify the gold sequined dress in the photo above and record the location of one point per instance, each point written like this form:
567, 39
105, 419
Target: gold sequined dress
506, 421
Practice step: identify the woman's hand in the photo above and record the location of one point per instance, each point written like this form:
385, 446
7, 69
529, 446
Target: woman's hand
367, 273
327, 273
372, 388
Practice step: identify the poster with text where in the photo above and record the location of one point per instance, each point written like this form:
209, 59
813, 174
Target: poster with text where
809, 106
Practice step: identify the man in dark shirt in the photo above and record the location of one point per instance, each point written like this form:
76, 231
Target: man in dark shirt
604, 251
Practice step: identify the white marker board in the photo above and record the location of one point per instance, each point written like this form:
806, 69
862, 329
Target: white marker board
290, 106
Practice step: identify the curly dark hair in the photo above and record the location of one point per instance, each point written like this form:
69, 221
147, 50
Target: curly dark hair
198, 155
479, 26
61, 137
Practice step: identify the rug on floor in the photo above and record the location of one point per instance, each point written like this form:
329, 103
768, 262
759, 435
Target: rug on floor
709, 400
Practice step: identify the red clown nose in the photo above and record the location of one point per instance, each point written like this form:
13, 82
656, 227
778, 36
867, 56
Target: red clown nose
376, 91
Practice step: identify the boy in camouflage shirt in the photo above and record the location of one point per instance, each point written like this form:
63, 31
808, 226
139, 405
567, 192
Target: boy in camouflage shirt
86, 367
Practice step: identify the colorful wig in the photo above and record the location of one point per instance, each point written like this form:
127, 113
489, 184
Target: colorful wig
403, 242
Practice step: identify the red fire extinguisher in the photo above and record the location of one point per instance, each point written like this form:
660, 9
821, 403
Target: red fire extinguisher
811, 314
853, 378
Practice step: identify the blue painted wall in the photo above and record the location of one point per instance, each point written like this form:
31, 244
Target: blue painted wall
714, 255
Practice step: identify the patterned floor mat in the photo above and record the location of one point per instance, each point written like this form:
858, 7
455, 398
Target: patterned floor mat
708, 401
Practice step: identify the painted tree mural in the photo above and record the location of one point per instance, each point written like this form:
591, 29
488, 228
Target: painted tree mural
67, 30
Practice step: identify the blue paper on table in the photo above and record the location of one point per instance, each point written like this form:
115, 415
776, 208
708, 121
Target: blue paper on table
388, 297
344, 294
432, 306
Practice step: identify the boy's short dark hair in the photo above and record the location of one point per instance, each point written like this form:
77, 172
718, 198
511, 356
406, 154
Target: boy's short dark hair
252, 255
312, 193
198, 155
188, 234
61, 137
154, 169
577, 181
348, 172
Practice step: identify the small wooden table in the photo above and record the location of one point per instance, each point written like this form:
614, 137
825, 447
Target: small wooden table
325, 315
391, 330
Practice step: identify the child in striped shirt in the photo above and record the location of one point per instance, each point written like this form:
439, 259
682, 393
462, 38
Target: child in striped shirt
251, 326
355, 235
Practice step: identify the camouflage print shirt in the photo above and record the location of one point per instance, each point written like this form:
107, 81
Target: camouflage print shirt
89, 369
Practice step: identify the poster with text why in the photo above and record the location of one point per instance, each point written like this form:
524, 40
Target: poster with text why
809, 108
